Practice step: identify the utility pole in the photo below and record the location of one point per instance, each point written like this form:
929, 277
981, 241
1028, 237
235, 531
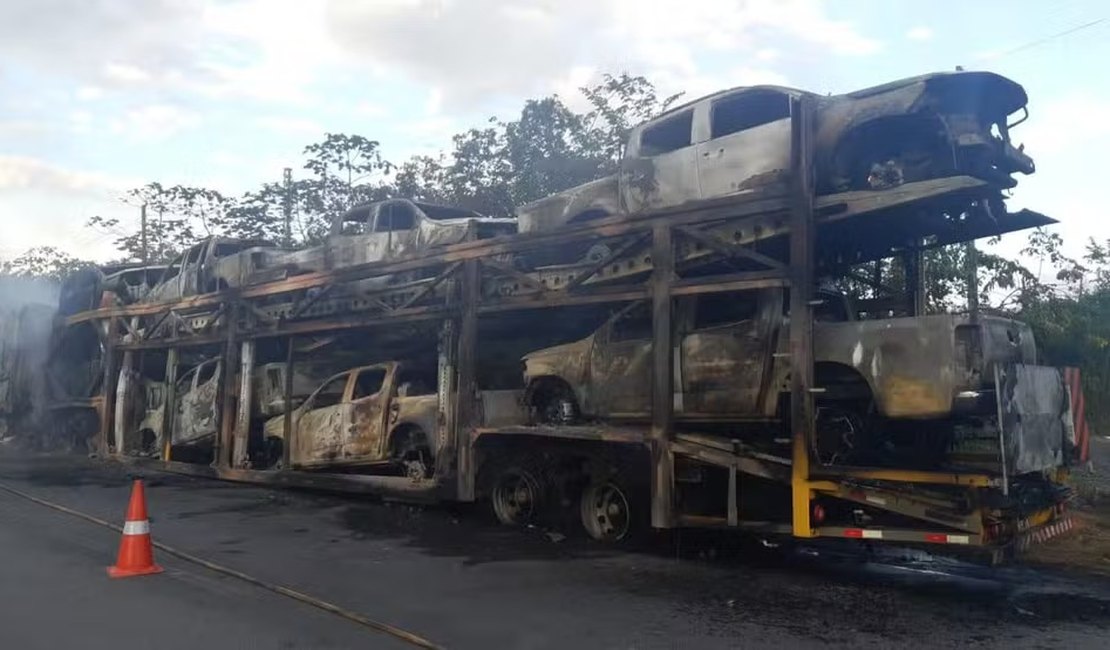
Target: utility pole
146, 251
287, 207
972, 278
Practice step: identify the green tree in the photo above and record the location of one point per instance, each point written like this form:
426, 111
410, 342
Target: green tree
43, 262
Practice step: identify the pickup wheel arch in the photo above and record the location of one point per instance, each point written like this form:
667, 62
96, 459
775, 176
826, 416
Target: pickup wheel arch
916, 142
408, 442
551, 400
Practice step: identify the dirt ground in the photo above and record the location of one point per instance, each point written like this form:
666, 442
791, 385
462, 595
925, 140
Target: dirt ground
1087, 549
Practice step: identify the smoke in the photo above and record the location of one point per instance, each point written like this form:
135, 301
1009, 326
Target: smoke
27, 309
17, 292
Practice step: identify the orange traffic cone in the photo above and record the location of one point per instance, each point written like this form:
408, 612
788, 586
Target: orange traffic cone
136, 552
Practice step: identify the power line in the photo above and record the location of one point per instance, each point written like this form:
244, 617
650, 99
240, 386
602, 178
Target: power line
1042, 41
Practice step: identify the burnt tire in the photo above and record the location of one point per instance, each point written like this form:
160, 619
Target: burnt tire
519, 495
412, 452
613, 510
553, 403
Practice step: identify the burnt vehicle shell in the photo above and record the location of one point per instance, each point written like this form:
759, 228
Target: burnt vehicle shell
363, 416
269, 385
196, 415
393, 229
213, 264
738, 142
732, 367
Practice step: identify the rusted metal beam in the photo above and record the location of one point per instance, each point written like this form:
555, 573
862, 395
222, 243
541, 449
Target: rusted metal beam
169, 401
561, 299
221, 451
430, 287
239, 448
108, 387
802, 236
519, 276
616, 254
662, 379
729, 282
772, 210
153, 329
728, 249
305, 304
466, 389
287, 400
215, 318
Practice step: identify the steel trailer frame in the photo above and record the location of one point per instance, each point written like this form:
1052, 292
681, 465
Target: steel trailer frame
657, 246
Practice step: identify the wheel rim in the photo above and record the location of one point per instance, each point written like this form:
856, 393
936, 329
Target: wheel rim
606, 514
558, 410
516, 498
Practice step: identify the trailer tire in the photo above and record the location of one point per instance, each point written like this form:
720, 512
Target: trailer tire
612, 510
519, 494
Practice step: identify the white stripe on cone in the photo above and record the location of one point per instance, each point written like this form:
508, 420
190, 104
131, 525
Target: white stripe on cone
136, 527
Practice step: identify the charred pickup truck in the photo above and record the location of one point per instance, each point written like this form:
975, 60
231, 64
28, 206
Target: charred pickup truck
922, 381
739, 142
392, 229
214, 264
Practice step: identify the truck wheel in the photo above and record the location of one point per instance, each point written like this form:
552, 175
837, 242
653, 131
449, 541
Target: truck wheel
518, 496
609, 511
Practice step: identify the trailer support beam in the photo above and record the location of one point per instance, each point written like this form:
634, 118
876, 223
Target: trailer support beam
802, 409
466, 393
239, 447
662, 378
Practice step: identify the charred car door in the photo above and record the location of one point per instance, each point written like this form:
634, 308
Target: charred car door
318, 431
396, 223
195, 416
725, 359
660, 169
365, 413
748, 145
620, 364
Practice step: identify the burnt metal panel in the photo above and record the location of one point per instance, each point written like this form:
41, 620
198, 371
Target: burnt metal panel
1033, 410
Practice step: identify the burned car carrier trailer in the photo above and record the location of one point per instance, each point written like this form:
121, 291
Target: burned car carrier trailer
997, 484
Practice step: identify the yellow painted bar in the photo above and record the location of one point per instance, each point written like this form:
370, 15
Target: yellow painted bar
914, 476
800, 487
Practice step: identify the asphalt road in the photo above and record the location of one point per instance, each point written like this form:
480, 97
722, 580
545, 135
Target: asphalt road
453, 577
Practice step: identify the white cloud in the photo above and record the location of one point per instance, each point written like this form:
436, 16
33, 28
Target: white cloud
22, 174
747, 76
285, 124
920, 33
767, 54
125, 73
1064, 123
499, 49
81, 121
371, 109
155, 122
89, 93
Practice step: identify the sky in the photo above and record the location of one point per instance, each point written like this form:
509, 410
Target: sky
99, 96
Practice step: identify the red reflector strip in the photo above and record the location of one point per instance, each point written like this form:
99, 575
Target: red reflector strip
861, 533
941, 538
